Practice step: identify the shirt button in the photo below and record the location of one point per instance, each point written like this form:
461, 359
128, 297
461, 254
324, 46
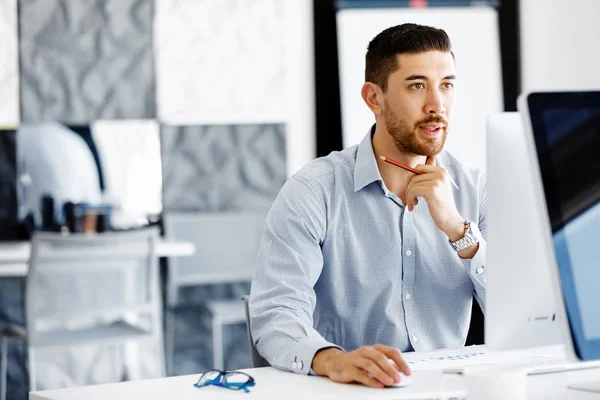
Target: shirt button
407, 296
294, 365
408, 253
415, 339
480, 270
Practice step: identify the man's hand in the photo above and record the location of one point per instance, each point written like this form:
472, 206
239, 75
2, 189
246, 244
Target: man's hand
434, 185
368, 365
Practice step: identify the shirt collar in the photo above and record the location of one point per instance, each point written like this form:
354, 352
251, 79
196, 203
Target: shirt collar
366, 170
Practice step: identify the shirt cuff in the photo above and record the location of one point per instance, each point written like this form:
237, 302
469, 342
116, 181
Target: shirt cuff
476, 265
301, 362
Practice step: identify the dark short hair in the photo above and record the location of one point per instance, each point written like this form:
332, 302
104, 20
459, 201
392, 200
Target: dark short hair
381, 60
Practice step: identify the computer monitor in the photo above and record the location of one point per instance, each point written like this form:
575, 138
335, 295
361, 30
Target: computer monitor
564, 142
520, 302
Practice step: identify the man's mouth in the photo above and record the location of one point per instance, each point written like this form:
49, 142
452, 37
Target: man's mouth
432, 130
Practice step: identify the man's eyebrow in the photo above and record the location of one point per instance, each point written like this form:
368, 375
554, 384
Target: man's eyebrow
416, 77
424, 78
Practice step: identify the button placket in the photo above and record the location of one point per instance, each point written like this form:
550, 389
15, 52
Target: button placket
408, 269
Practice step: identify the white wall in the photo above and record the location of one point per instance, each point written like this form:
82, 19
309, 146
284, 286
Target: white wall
299, 84
559, 44
475, 40
238, 62
129, 152
9, 68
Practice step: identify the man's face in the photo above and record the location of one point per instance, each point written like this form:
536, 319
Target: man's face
419, 102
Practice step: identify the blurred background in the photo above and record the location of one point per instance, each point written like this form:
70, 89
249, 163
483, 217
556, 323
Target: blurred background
189, 115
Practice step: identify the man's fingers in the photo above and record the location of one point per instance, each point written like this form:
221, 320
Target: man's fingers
361, 376
395, 355
375, 371
422, 188
430, 161
421, 178
381, 361
426, 168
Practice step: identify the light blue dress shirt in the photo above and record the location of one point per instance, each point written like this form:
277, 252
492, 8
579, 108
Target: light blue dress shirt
343, 263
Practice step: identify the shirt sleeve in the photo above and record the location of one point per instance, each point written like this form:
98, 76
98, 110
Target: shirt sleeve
477, 265
289, 263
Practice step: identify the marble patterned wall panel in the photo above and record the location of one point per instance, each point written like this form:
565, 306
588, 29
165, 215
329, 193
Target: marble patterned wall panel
220, 62
86, 60
222, 168
9, 76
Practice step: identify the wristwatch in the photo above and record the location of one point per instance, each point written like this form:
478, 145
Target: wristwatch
472, 236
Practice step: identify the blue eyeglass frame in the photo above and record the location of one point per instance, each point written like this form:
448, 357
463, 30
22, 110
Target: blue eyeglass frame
221, 380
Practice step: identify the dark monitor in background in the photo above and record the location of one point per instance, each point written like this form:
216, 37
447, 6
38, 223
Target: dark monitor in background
564, 146
11, 228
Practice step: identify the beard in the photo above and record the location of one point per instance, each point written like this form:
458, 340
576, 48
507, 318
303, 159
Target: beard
406, 138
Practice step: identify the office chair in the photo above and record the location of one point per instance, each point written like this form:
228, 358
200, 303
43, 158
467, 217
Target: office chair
226, 248
84, 279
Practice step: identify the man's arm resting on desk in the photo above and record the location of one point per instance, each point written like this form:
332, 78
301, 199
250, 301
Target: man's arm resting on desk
368, 365
289, 263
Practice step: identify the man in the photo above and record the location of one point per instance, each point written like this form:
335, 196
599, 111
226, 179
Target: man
360, 259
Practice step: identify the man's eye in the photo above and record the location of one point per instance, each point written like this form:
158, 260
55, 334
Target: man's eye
417, 86
448, 85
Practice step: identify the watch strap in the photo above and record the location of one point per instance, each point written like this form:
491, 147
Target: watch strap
469, 239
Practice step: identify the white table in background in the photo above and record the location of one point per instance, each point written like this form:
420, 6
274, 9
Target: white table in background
275, 384
14, 256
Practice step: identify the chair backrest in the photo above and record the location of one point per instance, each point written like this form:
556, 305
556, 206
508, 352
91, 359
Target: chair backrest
257, 359
84, 277
226, 248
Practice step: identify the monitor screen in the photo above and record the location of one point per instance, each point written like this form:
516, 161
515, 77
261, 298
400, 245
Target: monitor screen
566, 128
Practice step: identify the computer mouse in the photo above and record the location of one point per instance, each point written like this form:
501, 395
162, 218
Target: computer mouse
404, 380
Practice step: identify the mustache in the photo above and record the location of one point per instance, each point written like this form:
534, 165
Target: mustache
432, 119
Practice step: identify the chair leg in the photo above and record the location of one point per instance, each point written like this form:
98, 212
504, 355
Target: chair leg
31, 368
217, 331
159, 344
4, 367
132, 349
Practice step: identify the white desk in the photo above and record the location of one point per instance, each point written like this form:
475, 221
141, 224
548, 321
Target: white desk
15, 255
275, 384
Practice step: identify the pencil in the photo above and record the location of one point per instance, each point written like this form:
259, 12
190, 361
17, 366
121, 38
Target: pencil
397, 164
410, 169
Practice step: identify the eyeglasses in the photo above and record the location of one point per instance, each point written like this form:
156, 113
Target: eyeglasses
233, 380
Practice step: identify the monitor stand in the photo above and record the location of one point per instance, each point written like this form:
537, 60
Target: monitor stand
593, 387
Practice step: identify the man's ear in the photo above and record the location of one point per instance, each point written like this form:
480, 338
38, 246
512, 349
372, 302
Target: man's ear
373, 97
